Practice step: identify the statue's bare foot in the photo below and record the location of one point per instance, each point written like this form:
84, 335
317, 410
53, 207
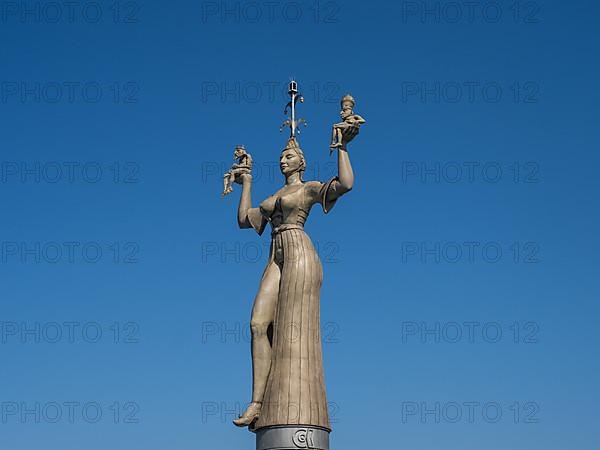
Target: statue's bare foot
249, 416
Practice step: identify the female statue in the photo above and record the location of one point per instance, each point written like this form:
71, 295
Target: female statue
288, 382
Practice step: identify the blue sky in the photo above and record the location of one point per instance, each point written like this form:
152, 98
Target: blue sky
459, 303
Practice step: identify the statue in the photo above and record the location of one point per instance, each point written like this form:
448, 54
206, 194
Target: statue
243, 165
289, 404
350, 120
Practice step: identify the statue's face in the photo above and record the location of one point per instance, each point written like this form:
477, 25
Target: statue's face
289, 162
237, 153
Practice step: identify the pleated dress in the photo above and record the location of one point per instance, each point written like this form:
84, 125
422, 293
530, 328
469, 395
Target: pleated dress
295, 392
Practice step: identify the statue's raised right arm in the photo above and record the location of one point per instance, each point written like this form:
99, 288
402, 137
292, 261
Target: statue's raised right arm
245, 200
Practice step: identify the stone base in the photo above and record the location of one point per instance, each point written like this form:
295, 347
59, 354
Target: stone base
292, 437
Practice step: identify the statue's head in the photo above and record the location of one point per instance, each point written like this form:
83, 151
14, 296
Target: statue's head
292, 159
347, 102
240, 150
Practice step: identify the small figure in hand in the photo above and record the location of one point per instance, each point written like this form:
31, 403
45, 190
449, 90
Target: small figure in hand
243, 165
349, 120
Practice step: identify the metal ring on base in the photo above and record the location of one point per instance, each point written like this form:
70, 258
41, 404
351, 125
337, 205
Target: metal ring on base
292, 437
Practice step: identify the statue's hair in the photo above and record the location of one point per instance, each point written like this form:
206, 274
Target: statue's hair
292, 144
347, 98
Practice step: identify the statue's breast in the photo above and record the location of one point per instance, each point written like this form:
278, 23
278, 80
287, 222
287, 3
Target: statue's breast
289, 202
294, 207
286, 208
267, 207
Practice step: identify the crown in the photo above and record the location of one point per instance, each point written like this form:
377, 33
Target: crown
347, 98
292, 143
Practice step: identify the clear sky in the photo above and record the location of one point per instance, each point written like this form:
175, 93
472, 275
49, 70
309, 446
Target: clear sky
460, 298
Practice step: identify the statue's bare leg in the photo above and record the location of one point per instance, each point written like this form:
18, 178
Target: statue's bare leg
225, 183
336, 138
263, 315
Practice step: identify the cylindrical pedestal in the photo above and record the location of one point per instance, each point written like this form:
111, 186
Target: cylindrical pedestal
292, 437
